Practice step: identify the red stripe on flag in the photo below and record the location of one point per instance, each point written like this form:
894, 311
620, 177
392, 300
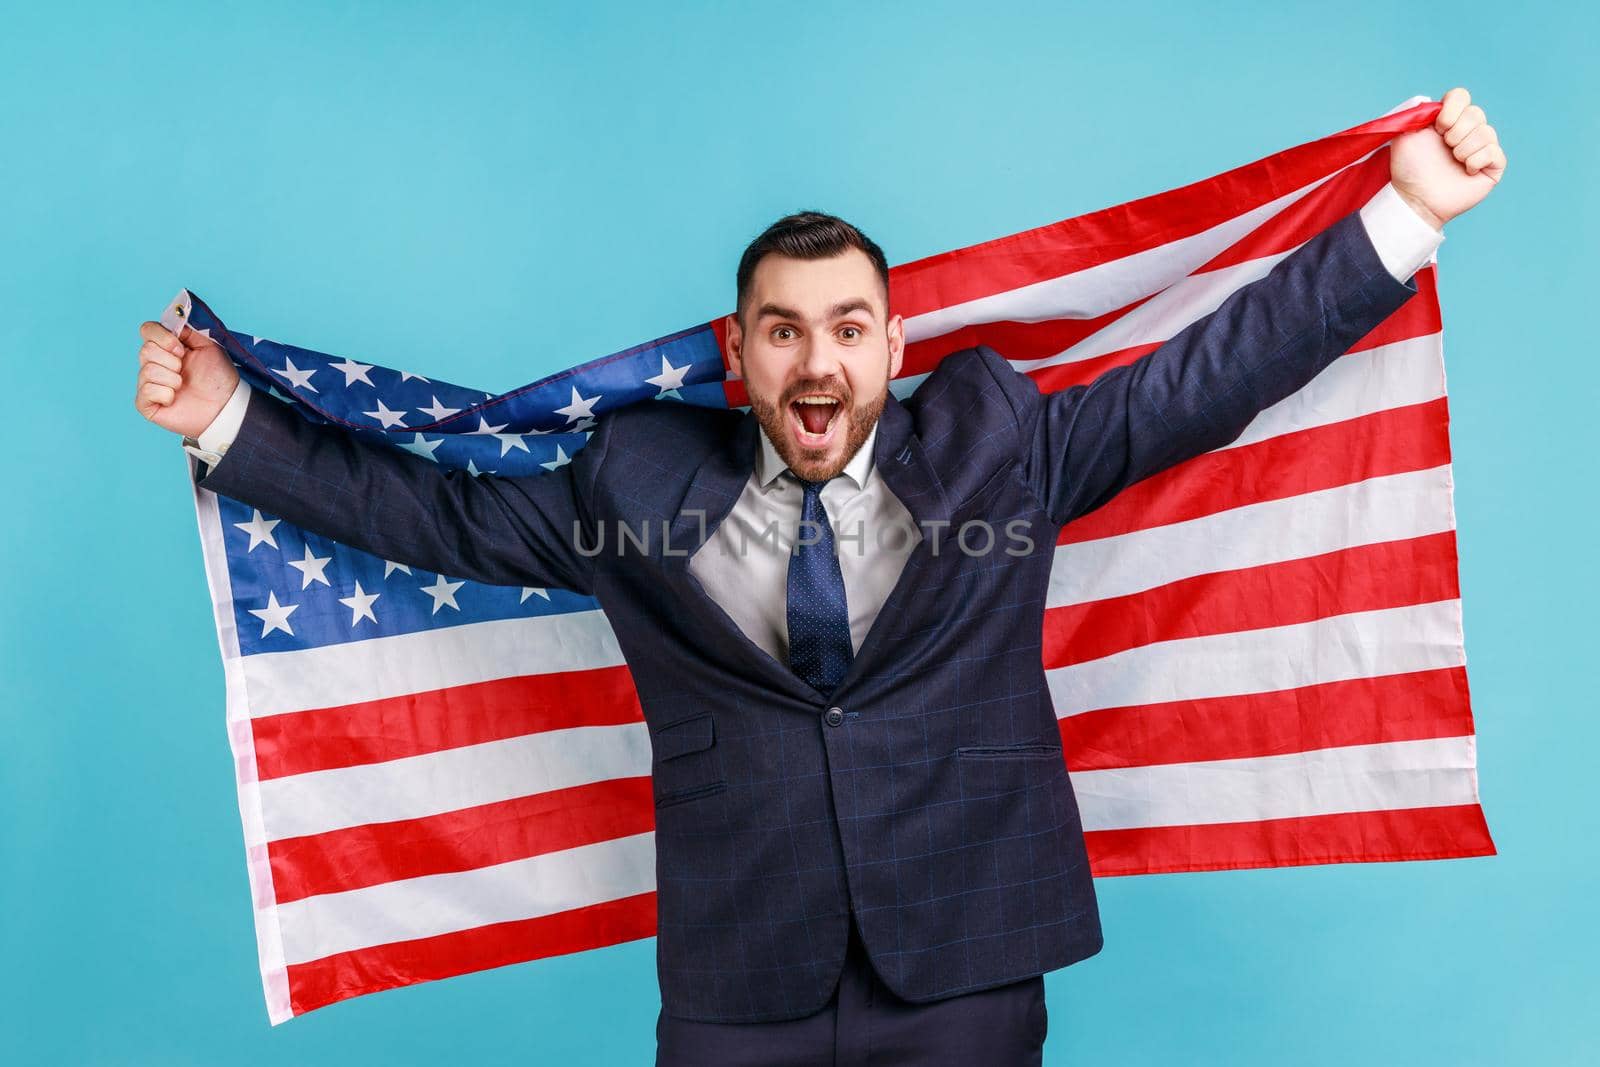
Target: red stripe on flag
1039, 340
376, 731
350, 974
1398, 440
1310, 215
1062, 376
1417, 317
1356, 711
1013, 340
1357, 837
1388, 574
461, 840
1074, 244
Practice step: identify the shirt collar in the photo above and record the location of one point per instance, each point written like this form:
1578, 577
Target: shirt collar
769, 465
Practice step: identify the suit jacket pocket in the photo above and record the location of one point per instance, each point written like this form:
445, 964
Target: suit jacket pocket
687, 763
684, 736
1026, 750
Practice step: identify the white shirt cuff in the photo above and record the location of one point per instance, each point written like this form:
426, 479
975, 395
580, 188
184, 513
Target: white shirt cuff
1403, 239
214, 440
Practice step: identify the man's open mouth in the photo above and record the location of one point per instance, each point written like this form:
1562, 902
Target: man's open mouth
814, 418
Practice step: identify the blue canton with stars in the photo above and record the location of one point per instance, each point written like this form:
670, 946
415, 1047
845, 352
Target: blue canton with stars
293, 589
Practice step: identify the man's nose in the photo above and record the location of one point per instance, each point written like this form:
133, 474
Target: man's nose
818, 359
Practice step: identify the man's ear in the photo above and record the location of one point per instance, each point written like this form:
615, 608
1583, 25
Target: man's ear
734, 334
897, 345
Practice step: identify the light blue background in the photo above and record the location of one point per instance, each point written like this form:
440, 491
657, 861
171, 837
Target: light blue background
488, 194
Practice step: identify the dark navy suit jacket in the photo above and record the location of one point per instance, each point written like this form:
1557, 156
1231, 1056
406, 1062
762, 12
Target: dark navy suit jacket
934, 804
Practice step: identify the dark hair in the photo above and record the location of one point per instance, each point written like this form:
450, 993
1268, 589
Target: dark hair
808, 235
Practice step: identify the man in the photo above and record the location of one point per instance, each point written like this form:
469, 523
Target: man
868, 849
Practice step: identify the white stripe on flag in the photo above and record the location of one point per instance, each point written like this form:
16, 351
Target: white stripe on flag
1383, 378
1392, 508
1361, 644
335, 675
443, 903
1164, 315
455, 778
1097, 290
1399, 774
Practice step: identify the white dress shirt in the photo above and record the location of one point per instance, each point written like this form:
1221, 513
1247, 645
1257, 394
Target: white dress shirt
744, 565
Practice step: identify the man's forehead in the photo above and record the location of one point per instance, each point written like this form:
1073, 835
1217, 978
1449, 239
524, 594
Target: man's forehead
819, 289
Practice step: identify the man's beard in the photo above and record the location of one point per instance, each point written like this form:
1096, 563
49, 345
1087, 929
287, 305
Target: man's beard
808, 463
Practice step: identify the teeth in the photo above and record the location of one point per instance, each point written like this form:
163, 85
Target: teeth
817, 400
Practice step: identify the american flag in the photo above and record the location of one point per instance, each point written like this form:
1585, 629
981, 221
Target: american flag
1256, 656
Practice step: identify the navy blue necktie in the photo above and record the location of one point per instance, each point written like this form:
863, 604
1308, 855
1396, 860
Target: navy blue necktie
819, 620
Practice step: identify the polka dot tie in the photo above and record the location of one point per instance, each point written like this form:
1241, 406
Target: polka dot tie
819, 620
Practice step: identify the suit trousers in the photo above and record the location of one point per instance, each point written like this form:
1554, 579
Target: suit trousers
864, 1023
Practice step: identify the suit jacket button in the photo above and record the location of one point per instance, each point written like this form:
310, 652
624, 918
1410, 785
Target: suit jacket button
835, 716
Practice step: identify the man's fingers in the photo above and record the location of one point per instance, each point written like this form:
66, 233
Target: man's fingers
1484, 159
1451, 107
155, 372
1471, 119
150, 352
155, 395
160, 335
1478, 138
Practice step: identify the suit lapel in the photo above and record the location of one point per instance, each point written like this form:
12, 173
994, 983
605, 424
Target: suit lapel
712, 492
899, 459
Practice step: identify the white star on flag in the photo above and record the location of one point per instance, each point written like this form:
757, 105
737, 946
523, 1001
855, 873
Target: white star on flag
354, 372
385, 416
274, 616
443, 593
484, 427
670, 380
300, 379
360, 605
406, 376
580, 408
311, 568
423, 447
561, 460
508, 441
259, 529
472, 469
439, 411
389, 567
528, 591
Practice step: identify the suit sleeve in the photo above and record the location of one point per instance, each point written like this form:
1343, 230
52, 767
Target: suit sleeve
402, 507
1201, 388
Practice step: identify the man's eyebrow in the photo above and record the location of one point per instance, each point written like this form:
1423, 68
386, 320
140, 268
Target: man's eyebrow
842, 308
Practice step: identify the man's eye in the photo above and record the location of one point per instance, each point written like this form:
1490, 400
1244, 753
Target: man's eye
855, 330
780, 331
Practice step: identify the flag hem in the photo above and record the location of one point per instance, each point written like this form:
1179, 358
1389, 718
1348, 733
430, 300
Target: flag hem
241, 742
